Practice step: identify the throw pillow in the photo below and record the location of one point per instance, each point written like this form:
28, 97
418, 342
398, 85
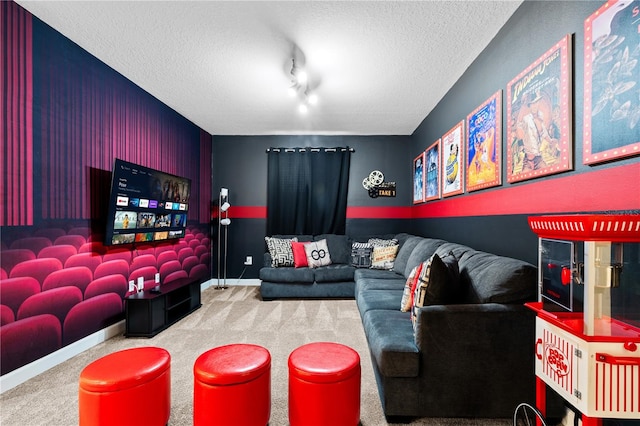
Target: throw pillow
437, 285
361, 255
317, 253
410, 288
280, 251
383, 256
299, 255
379, 242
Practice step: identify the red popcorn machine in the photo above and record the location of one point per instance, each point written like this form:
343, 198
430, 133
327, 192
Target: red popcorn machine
588, 314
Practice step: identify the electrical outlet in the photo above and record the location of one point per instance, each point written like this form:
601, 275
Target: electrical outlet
249, 260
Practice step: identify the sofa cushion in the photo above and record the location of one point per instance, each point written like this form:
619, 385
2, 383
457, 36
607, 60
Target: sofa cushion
361, 255
408, 244
421, 253
380, 284
339, 247
317, 253
391, 342
458, 250
333, 273
287, 275
366, 274
378, 299
497, 279
280, 251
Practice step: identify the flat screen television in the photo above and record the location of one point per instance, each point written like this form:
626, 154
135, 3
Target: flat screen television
146, 205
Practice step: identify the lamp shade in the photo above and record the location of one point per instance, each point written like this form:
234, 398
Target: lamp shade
225, 206
226, 221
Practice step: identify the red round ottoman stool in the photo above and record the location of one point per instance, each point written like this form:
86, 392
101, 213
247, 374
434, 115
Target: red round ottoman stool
128, 387
232, 386
324, 385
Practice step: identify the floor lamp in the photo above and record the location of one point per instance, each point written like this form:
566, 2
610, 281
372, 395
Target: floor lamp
223, 224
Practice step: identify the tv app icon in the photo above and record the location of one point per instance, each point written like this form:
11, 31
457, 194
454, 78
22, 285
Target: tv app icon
122, 201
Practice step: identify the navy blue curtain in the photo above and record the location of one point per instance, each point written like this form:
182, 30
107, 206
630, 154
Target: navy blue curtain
307, 190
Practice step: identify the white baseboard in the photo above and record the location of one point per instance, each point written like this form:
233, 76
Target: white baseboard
31, 370
232, 282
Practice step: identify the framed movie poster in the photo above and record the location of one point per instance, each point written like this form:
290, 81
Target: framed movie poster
611, 82
539, 142
432, 166
418, 179
484, 141
452, 165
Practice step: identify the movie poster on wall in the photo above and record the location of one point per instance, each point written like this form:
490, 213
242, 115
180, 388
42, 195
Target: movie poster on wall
452, 148
418, 179
484, 141
432, 163
612, 82
539, 142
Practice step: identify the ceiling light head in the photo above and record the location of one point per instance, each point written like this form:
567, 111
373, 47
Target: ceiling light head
293, 89
312, 99
302, 77
303, 108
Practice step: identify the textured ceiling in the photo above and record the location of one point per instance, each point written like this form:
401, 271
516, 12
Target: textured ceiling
378, 67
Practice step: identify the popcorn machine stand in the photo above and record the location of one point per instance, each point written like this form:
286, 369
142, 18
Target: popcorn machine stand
588, 314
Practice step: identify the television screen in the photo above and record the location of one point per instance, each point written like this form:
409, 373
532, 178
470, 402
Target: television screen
146, 205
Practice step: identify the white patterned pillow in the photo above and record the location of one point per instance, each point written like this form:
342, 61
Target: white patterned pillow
383, 257
379, 242
280, 251
317, 253
361, 255
410, 288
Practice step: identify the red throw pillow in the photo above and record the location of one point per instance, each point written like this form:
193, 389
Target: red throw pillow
299, 255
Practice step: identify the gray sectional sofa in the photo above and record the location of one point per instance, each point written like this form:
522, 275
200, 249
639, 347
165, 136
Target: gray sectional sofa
470, 358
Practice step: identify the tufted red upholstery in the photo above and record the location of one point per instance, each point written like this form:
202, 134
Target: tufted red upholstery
128, 387
17, 337
232, 386
324, 385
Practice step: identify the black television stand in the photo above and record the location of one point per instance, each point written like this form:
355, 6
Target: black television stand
148, 313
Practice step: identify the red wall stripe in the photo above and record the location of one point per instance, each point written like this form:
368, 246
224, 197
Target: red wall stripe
612, 189
615, 188
364, 212
248, 212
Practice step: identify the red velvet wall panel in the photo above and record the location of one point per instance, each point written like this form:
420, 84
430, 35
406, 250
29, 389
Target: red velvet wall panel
16, 127
88, 115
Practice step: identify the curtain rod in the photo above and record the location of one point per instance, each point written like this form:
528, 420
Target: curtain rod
310, 149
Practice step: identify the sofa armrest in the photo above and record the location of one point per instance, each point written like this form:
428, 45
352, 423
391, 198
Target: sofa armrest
480, 357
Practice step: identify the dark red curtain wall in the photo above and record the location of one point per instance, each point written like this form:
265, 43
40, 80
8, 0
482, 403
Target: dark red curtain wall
16, 128
73, 114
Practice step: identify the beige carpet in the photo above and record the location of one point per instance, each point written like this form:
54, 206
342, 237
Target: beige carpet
227, 316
